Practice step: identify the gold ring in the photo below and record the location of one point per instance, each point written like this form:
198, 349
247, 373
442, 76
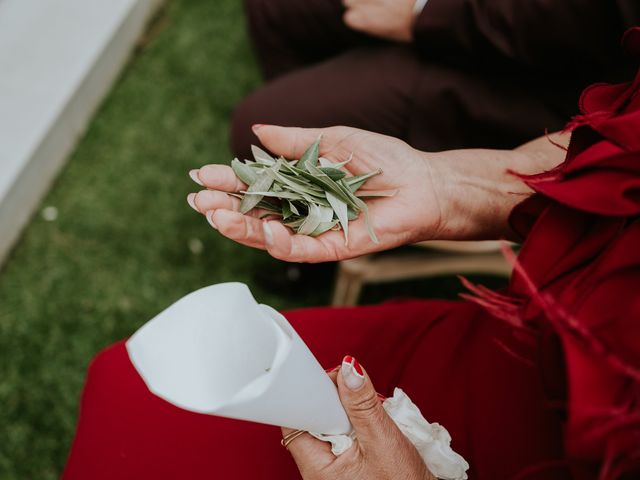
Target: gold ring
287, 439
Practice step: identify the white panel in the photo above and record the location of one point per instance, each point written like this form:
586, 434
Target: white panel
58, 58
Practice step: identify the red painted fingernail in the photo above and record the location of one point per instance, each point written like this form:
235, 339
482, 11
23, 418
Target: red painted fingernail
354, 364
333, 369
381, 397
352, 373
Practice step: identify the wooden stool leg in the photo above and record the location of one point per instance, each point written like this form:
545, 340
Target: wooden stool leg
353, 293
343, 281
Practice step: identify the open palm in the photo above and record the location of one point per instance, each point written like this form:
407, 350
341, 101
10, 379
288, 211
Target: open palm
410, 215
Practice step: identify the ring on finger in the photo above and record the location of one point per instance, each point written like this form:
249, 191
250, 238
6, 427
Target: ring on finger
290, 437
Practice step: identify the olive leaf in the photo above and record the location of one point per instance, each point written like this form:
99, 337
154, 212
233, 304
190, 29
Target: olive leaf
312, 195
263, 183
261, 156
310, 156
340, 208
244, 172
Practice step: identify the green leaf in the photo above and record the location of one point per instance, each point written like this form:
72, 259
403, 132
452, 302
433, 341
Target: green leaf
294, 223
310, 156
360, 205
328, 163
355, 182
286, 210
293, 208
324, 227
340, 208
288, 167
280, 195
295, 185
317, 215
312, 194
315, 175
244, 172
333, 173
262, 184
261, 156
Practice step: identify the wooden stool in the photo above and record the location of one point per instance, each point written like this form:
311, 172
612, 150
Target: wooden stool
432, 259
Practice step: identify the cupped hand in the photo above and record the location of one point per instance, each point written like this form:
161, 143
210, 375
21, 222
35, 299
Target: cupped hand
380, 451
388, 19
411, 215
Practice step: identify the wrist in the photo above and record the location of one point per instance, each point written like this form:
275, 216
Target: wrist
475, 192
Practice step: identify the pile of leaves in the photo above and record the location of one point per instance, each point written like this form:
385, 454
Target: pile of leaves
311, 195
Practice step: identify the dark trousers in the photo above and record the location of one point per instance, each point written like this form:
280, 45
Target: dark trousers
320, 73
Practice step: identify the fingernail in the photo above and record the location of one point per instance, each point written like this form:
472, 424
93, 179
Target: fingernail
268, 233
210, 218
191, 200
352, 373
332, 369
381, 397
194, 176
257, 126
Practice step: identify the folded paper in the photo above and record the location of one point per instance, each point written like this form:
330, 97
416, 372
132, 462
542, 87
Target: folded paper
217, 351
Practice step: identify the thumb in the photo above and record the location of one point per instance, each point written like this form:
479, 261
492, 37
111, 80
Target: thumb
290, 142
354, 19
370, 421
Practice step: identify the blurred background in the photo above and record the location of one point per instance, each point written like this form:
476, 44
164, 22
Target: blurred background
95, 232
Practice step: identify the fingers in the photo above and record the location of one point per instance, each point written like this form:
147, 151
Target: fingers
222, 214
309, 453
309, 445
206, 200
217, 177
354, 19
240, 228
283, 244
291, 142
362, 403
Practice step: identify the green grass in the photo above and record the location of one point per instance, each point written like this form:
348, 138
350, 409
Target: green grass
118, 252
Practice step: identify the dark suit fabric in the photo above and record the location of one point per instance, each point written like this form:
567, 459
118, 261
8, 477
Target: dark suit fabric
480, 73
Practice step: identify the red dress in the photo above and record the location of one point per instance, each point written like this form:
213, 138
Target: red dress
541, 381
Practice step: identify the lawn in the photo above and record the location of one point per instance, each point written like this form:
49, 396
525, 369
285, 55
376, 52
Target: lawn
125, 244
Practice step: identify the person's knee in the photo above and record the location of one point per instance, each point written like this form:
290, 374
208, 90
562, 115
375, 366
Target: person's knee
265, 18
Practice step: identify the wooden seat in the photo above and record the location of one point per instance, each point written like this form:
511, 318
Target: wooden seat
425, 259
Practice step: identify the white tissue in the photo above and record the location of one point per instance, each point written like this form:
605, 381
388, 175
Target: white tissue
432, 440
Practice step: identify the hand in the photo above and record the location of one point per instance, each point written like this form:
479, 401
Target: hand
411, 215
389, 19
380, 452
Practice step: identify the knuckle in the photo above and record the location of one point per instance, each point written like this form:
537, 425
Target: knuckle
366, 406
249, 231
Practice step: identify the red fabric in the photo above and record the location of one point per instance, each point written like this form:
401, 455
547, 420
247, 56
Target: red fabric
553, 392
449, 357
579, 273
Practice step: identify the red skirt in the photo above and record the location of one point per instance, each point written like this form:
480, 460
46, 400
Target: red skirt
465, 370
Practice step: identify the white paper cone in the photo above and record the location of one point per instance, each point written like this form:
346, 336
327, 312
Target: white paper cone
217, 351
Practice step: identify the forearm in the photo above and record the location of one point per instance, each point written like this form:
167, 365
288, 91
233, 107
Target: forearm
476, 192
